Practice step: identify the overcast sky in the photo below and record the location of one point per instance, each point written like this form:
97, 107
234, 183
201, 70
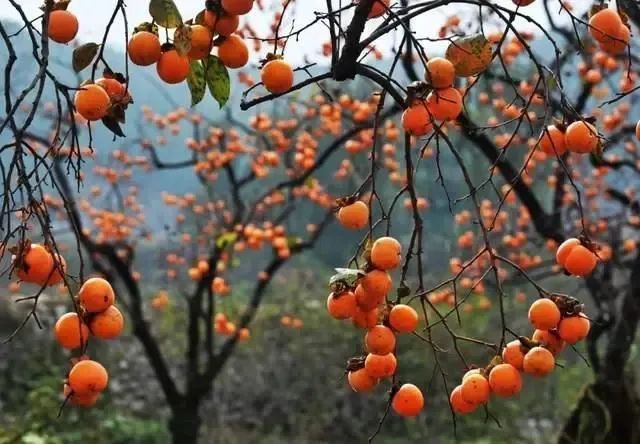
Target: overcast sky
94, 15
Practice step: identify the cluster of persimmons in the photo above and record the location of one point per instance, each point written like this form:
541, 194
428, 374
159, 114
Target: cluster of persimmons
96, 316
217, 26
557, 319
364, 301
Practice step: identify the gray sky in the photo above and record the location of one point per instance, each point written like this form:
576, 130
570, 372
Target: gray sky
94, 15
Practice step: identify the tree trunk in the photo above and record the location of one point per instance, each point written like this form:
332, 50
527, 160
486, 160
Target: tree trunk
607, 413
184, 425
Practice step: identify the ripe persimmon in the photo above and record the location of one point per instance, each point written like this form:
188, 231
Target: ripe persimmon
550, 340
144, 48
341, 305
365, 319
201, 42
63, 26
277, 76
378, 8
581, 137
354, 216
604, 23
380, 366
107, 324
513, 354
386, 253
92, 102
376, 282
59, 269
458, 404
403, 318
172, 67
416, 119
440, 72
366, 300
471, 372
538, 362
544, 314
576, 258
505, 380
88, 376
565, 248
475, 389
380, 340
552, 141
573, 329
237, 7
408, 400
361, 381
581, 261
96, 295
618, 41
233, 52
444, 104
221, 24
36, 265
70, 331
113, 88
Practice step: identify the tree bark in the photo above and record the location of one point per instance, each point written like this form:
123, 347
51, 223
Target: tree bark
607, 413
184, 425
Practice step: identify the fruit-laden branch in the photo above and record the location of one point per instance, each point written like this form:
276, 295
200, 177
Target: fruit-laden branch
544, 223
140, 327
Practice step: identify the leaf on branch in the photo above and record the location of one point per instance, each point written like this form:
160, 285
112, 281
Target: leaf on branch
196, 82
348, 276
165, 13
226, 239
182, 39
293, 241
199, 19
403, 291
113, 125
310, 182
83, 56
60, 5
217, 78
470, 55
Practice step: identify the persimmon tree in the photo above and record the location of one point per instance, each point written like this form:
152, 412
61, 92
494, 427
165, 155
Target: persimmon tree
530, 102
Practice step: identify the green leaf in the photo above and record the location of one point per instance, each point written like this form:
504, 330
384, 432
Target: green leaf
292, 241
165, 13
182, 39
346, 275
196, 82
83, 55
217, 79
226, 239
310, 182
